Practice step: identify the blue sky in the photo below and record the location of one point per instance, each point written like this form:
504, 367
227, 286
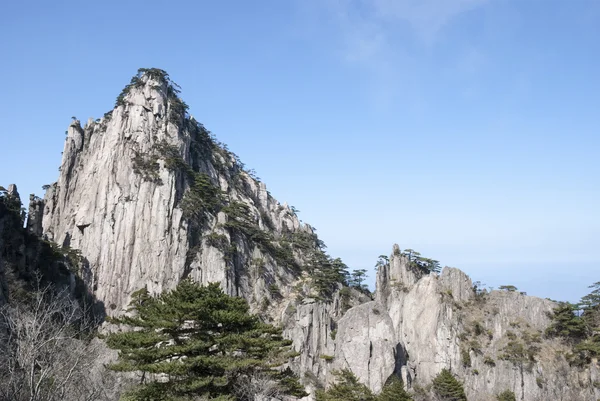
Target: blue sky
468, 130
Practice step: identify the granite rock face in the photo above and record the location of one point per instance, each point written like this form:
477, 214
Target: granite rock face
491, 341
134, 197
365, 344
35, 215
26, 261
119, 200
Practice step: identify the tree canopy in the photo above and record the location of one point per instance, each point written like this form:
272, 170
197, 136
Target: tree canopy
416, 261
394, 391
448, 388
196, 341
348, 388
579, 325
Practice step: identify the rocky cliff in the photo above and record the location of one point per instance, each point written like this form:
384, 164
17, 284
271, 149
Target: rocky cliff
493, 341
26, 261
149, 196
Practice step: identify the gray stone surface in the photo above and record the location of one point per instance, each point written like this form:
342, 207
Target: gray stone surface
132, 233
35, 215
131, 230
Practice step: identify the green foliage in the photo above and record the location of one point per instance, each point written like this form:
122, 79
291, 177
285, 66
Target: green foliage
328, 274
200, 340
566, 324
382, 261
217, 240
465, 357
274, 290
357, 278
488, 360
346, 388
506, 395
289, 383
590, 305
147, 166
517, 352
478, 328
202, 198
448, 388
241, 221
11, 203
416, 261
137, 82
394, 391
345, 297
177, 107
509, 288
540, 381
579, 325
585, 351
305, 241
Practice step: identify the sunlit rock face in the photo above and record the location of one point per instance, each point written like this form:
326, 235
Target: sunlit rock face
127, 197
120, 203
492, 341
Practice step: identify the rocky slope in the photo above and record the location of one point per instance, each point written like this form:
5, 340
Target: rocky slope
26, 261
492, 341
149, 197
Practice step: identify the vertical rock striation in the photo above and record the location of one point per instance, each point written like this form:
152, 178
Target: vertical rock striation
148, 197
492, 341
124, 183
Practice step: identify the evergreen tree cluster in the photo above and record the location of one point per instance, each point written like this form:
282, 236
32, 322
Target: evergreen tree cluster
348, 388
357, 279
448, 388
11, 204
579, 325
416, 261
197, 341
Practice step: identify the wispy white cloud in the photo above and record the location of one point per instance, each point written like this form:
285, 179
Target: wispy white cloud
380, 36
426, 17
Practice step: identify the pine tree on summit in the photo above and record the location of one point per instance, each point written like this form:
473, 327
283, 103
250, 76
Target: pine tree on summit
196, 341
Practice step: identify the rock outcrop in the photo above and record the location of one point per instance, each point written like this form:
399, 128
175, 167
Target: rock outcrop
35, 215
492, 341
148, 197
129, 183
26, 261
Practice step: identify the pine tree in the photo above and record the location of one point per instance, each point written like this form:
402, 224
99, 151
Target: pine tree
566, 324
195, 340
591, 308
580, 329
394, 391
448, 388
346, 388
357, 279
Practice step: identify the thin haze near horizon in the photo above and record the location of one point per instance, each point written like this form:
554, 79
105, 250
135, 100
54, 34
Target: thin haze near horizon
468, 130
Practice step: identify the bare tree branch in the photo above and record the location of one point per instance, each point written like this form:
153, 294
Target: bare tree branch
46, 349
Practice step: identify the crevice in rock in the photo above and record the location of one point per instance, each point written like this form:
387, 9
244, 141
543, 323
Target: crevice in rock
82, 227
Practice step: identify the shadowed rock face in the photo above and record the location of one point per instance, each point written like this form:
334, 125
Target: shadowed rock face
120, 199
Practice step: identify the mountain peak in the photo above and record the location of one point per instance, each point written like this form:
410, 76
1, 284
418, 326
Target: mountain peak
153, 89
